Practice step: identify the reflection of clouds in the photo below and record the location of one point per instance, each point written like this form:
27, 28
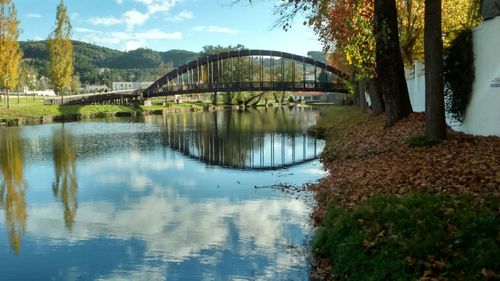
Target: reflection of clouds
173, 227
144, 272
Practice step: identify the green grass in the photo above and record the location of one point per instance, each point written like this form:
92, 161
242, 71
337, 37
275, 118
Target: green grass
394, 238
36, 108
420, 141
335, 125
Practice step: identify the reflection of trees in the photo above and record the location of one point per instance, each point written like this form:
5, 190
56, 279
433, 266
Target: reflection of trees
232, 138
12, 186
65, 186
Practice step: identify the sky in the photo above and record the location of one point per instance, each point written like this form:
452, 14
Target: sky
163, 25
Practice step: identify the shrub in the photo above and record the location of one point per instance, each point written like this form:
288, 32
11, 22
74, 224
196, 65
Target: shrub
394, 238
459, 74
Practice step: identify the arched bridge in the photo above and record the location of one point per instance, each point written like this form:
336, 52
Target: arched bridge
249, 70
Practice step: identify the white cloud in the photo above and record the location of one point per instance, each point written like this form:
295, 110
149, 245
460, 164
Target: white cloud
133, 18
119, 2
34, 16
156, 6
215, 29
184, 15
124, 40
106, 21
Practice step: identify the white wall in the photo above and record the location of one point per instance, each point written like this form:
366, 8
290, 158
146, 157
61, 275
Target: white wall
483, 113
415, 79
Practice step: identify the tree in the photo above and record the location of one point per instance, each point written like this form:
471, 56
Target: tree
10, 52
65, 186
390, 69
435, 124
13, 186
75, 84
60, 50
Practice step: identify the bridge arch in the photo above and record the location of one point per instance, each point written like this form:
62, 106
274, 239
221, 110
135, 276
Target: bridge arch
249, 70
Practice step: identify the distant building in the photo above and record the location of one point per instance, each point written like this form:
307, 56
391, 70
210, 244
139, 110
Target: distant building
95, 88
310, 96
335, 98
122, 86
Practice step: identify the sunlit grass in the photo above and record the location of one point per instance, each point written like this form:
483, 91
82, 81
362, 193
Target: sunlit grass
34, 107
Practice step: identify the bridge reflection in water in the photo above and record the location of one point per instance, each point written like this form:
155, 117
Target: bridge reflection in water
233, 140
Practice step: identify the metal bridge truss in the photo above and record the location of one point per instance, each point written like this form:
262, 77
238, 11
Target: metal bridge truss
265, 71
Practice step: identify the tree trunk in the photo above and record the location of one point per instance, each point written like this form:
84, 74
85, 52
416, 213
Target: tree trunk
435, 124
7, 98
377, 102
390, 69
356, 92
214, 101
275, 98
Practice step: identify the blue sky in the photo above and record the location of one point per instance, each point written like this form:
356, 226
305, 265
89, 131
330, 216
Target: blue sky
168, 24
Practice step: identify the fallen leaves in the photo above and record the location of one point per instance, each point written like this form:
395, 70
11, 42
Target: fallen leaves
369, 160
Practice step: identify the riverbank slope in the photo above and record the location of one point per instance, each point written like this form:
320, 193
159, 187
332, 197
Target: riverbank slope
397, 208
33, 111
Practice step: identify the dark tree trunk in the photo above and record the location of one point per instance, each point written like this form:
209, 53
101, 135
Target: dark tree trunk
282, 98
7, 99
435, 124
356, 92
390, 69
275, 98
377, 102
214, 101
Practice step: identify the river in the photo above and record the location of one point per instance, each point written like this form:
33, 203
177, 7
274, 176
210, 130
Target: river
183, 196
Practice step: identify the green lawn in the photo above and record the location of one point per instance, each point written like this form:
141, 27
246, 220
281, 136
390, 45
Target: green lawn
35, 108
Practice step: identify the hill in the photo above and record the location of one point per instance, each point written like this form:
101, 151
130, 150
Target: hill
100, 65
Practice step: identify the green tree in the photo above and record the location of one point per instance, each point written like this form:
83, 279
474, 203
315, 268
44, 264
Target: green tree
60, 50
10, 52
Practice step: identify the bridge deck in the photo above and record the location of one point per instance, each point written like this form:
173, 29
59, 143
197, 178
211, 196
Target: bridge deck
92, 98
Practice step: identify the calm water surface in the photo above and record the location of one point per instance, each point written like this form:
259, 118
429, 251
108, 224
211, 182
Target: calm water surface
162, 198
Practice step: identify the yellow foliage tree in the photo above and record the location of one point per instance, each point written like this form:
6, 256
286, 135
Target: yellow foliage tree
60, 50
10, 52
66, 185
12, 186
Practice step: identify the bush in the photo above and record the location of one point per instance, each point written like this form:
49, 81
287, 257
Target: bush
459, 74
420, 141
316, 131
393, 238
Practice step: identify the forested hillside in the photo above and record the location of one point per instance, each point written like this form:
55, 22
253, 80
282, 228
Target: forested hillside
100, 65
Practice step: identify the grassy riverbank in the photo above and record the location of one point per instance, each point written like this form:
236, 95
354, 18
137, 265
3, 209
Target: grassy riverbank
35, 109
397, 208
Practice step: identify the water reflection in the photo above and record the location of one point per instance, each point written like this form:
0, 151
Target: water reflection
253, 139
65, 186
147, 212
13, 185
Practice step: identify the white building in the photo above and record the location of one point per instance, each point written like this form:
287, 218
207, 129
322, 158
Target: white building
122, 86
95, 88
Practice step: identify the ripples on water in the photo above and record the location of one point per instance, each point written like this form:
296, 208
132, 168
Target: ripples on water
148, 199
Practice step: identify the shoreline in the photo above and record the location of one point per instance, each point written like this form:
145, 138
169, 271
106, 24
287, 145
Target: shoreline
40, 120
